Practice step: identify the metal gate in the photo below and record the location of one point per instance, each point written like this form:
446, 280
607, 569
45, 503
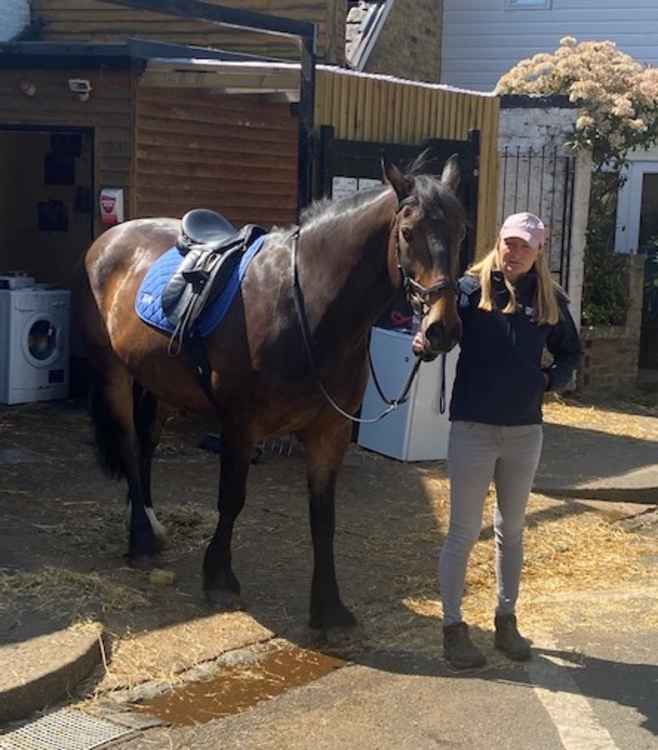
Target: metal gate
541, 181
347, 166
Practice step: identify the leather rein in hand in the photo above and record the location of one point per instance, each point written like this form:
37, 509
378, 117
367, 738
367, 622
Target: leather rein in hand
418, 297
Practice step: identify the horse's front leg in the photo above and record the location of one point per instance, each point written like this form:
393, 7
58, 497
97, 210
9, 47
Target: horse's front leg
325, 444
220, 584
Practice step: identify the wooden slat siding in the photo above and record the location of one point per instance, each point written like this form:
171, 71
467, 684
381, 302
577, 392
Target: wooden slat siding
94, 20
234, 154
488, 199
408, 112
109, 112
368, 92
359, 109
482, 39
427, 110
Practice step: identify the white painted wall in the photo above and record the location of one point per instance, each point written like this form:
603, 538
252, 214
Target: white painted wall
482, 39
629, 203
535, 127
14, 17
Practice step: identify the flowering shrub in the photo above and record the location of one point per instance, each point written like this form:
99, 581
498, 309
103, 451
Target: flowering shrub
617, 101
617, 96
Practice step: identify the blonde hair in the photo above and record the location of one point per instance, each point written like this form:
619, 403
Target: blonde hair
546, 296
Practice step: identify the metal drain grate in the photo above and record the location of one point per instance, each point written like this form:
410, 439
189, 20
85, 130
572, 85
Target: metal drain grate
63, 730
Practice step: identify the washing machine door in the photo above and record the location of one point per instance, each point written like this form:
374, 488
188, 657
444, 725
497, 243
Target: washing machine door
43, 339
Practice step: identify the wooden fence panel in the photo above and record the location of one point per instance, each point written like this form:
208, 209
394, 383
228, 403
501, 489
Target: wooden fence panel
365, 107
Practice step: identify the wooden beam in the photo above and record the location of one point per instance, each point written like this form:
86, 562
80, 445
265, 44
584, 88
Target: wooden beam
226, 78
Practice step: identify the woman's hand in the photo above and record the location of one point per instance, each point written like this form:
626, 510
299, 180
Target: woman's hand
418, 344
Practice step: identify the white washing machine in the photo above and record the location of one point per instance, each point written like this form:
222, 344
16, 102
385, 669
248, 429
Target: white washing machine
34, 344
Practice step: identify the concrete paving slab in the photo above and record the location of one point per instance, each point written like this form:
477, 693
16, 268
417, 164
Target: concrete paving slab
39, 671
593, 465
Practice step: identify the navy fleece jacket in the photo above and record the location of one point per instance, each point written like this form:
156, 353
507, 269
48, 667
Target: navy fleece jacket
499, 377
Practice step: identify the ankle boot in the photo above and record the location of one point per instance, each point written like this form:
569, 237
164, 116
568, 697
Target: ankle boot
459, 650
509, 640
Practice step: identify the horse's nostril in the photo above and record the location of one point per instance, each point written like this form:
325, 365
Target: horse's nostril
436, 335
441, 339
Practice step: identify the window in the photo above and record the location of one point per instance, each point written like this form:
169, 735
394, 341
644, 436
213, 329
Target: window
527, 4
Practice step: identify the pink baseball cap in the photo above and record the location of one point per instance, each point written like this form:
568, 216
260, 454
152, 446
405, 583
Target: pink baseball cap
527, 227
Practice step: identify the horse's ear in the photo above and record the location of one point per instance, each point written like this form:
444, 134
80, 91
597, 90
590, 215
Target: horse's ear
394, 177
451, 175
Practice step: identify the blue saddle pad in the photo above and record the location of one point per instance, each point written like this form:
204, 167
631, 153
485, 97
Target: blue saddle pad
148, 303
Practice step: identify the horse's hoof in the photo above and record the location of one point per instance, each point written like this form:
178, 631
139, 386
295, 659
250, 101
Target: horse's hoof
160, 543
141, 562
337, 618
340, 637
223, 600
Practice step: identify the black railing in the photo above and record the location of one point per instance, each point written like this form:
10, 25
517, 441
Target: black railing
541, 181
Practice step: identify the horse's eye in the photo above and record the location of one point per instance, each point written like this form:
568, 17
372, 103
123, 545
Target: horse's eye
407, 234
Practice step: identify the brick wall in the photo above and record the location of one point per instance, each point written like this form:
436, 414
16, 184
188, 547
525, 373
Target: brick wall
612, 353
409, 45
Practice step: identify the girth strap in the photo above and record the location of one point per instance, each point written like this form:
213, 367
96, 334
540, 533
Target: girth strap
201, 283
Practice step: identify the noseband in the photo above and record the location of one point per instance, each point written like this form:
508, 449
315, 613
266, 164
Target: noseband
418, 295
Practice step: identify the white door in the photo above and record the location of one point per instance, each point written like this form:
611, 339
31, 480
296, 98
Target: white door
637, 212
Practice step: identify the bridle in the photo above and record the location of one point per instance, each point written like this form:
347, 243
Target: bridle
418, 297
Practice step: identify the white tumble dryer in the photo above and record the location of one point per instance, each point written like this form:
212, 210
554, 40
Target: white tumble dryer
34, 344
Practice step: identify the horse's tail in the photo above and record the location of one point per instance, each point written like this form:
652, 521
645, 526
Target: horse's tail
108, 433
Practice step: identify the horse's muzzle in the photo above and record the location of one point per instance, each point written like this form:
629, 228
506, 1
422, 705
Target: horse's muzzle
440, 340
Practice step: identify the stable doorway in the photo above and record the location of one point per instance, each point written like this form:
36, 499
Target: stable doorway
46, 201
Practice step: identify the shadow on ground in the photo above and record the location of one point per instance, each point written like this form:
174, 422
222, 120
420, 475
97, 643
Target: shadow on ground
591, 464
58, 512
563, 671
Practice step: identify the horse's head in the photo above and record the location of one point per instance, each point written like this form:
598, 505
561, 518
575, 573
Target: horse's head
428, 230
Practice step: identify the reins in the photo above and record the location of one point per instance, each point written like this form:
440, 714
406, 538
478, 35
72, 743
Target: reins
392, 404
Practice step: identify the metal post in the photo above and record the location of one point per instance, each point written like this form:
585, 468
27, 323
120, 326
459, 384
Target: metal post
504, 198
564, 249
516, 179
306, 117
570, 198
471, 250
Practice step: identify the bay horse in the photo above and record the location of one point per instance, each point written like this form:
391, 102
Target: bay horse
353, 255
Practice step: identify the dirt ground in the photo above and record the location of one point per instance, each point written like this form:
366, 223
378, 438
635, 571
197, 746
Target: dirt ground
63, 539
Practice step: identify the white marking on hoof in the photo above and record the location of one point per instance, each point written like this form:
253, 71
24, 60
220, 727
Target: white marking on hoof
159, 530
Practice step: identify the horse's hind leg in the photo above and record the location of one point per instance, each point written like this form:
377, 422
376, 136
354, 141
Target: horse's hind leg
148, 420
111, 402
324, 445
220, 584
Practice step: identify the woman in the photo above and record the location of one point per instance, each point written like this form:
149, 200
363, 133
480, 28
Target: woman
510, 310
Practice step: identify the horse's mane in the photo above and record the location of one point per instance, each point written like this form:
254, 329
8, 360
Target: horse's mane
419, 171
328, 209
